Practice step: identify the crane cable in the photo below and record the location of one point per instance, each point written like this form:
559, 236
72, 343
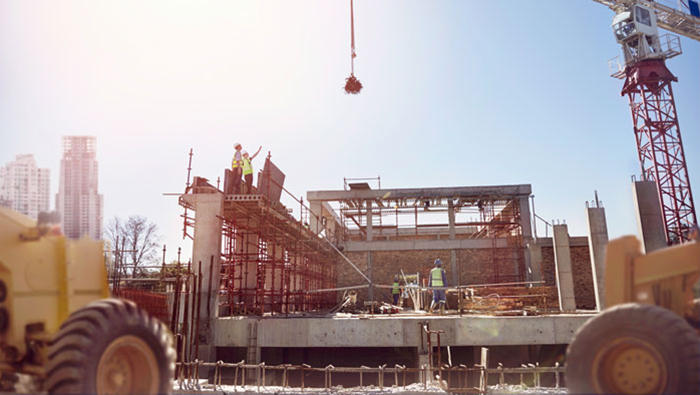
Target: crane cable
352, 39
352, 84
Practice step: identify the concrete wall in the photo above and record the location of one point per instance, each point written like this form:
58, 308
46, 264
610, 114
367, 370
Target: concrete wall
400, 332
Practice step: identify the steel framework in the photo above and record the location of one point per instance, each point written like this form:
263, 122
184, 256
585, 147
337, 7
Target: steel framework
659, 144
495, 218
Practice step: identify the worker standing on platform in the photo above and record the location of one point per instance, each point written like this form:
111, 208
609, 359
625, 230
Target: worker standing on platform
248, 169
438, 278
396, 290
237, 168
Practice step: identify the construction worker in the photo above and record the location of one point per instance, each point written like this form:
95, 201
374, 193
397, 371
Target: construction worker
237, 168
438, 279
248, 169
695, 234
396, 290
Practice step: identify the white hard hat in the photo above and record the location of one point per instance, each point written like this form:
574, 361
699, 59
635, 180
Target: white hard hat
236, 145
245, 153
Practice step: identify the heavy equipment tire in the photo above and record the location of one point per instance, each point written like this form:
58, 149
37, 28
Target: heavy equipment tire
111, 346
634, 349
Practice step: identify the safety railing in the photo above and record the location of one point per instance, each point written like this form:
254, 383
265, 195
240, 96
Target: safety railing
295, 378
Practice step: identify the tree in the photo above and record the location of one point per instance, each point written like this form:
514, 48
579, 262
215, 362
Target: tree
134, 242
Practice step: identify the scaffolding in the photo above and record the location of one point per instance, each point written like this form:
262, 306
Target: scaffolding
271, 263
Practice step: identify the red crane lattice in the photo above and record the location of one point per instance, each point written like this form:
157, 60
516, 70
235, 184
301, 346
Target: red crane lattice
659, 144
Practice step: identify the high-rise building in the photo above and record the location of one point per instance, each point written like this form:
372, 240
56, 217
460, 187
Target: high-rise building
24, 187
78, 202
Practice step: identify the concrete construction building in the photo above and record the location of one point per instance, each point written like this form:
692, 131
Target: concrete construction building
24, 187
279, 277
78, 202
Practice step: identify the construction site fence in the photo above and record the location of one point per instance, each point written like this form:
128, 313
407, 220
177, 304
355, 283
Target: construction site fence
455, 379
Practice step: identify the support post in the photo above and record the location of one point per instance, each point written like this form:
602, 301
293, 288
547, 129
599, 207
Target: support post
206, 248
454, 280
597, 242
530, 271
562, 264
314, 220
534, 255
650, 222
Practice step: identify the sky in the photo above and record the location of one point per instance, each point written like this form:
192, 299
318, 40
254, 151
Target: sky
456, 93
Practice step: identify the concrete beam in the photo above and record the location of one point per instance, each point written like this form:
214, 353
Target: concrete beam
564, 273
597, 243
650, 222
401, 332
499, 191
574, 241
412, 245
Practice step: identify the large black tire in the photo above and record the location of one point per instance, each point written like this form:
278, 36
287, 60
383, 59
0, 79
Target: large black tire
634, 349
111, 346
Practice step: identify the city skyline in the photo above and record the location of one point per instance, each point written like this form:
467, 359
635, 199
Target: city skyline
24, 187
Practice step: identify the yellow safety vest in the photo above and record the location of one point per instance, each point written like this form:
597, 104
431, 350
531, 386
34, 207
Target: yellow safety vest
396, 290
247, 167
436, 275
235, 163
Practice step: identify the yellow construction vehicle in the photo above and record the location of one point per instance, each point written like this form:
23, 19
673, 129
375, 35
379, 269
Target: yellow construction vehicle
58, 324
644, 342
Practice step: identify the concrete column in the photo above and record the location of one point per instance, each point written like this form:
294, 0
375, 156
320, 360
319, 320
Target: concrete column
524, 206
253, 350
206, 249
526, 225
650, 221
369, 221
534, 253
597, 242
454, 272
562, 264
370, 291
315, 219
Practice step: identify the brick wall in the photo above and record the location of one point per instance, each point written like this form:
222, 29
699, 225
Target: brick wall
581, 266
475, 266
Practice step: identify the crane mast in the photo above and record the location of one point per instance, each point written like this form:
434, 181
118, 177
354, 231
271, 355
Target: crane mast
647, 85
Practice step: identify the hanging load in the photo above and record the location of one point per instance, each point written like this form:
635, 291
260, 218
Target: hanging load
352, 84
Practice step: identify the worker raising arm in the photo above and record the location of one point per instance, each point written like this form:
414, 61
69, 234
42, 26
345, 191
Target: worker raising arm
248, 169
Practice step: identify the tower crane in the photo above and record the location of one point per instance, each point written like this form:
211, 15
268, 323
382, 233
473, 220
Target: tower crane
647, 84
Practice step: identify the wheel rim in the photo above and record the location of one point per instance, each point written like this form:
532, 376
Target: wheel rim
629, 366
128, 366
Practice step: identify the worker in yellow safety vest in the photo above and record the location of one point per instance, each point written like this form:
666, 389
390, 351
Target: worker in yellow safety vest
438, 279
237, 168
396, 290
248, 169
